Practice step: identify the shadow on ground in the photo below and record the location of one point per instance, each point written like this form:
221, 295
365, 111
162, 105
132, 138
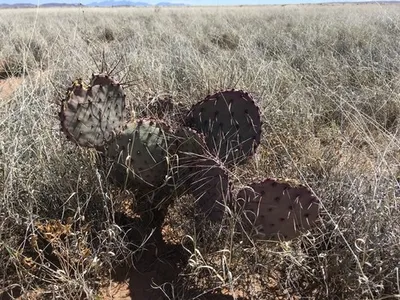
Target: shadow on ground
154, 273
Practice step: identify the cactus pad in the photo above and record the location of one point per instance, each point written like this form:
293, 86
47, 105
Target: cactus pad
204, 175
210, 187
279, 209
189, 147
92, 114
230, 121
143, 149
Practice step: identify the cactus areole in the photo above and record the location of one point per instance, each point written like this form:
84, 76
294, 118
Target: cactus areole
230, 121
92, 114
279, 210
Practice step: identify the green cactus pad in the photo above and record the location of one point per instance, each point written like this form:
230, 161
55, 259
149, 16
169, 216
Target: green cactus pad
278, 209
142, 148
91, 115
210, 186
230, 121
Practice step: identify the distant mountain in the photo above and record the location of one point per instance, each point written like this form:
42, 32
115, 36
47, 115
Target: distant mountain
60, 5
17, 5
96, 4
170, 4
42, 2
129, 3
118, 3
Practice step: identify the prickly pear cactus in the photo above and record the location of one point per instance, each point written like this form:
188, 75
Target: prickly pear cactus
189, 148
92, 114
143, 150
230, 121
202, 174
278, 209
210, 186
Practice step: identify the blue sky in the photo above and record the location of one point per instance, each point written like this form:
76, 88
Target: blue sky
192, 2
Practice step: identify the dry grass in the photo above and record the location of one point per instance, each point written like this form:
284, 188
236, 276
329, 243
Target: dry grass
328, 82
